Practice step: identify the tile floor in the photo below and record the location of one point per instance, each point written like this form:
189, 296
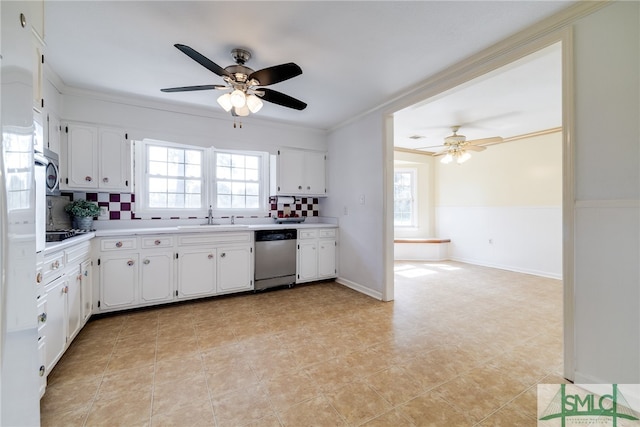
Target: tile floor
461, 345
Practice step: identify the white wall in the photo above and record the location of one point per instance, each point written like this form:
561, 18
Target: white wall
607, 188
354, 169
146, 119
503, 207
423, 164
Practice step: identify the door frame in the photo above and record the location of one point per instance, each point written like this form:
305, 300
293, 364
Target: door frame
480, 64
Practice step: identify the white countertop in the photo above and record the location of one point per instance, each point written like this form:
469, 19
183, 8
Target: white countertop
56, 246
207, 228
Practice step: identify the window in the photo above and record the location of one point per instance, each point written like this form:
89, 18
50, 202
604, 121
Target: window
404, 181
237, 180
173, 180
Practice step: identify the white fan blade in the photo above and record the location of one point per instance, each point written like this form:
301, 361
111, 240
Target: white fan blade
483, 141
475, 148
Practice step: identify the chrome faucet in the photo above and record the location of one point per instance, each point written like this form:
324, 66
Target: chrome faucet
210, 216
233, 219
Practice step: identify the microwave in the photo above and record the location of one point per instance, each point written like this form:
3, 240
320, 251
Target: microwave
52, 175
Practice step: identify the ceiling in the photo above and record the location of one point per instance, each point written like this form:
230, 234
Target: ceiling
354, 55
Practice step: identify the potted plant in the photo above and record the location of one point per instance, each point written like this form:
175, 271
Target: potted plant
82, 213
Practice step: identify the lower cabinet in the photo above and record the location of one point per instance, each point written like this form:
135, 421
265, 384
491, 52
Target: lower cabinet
196, 272
86, 289
234, 269
56, 328
148, 270
316, 254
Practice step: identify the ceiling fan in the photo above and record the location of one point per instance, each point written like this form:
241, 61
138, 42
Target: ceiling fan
243, 86
456, 146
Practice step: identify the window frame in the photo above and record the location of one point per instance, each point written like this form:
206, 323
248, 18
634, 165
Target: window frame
414, 197
140, 180
209, 182
263, 182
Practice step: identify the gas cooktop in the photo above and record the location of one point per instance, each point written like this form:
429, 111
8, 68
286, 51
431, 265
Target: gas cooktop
60, 235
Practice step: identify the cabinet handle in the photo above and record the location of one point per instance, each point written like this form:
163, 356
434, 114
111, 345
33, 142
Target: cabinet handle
105, 179
118, 244
39, 277
299, 187
79, 278
222, 255
210, 256
157, 242
55, 265
41, 371
88, 178
130, 262
42, 317
86, 273
308, 187
146, 261
65, 290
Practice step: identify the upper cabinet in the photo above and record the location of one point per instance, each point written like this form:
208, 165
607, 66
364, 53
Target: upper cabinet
298, 173
96, 158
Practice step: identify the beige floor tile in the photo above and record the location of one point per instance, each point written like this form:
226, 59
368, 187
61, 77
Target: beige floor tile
322, 354
357, 402
242, 407
313, 412
129, 411
391, 418
289, 389
395, 384
509, 416
429, 410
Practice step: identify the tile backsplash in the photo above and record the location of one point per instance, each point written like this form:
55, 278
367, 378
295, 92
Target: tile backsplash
121, 206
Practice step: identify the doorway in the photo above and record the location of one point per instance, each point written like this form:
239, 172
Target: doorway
444, 88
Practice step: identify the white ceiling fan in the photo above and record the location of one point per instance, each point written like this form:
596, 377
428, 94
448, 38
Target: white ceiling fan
456, 147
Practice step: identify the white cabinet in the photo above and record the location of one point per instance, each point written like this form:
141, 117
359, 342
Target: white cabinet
298, 173
86, 289
77, 271
234, 269
118, 280
196, 272
56, 329
215, 263
316, 254
96, 158
52, 132
156, 276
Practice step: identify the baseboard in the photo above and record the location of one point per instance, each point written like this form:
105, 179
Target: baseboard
359, 288
631, 392
509, 268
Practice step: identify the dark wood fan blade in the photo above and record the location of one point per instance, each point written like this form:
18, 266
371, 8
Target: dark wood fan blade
190, 88
276, 74
279, 98
202, 60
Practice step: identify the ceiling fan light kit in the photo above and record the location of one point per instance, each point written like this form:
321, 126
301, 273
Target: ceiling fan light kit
244, 96
457, 146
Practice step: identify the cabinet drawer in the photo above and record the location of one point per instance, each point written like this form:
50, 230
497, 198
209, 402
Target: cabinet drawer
327, 232
77, 254
214, 239
156, 242
307, 234
52, 266
122, 244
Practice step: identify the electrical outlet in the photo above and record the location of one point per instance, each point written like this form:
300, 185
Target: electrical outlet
104, 210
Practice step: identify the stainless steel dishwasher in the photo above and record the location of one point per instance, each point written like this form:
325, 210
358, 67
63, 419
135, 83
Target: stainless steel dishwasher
275, 260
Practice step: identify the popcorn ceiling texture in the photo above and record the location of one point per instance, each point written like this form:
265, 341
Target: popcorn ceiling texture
122, 206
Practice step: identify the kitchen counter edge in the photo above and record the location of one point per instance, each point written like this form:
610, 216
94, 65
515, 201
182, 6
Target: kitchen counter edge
222, 229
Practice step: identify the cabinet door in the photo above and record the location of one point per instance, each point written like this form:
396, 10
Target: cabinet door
114, 160
314, 168
56, 334
156, 276
326, 258
53, 133
82, 156
74, 304
234, 269
86, 289
307, 261
290, 171
196, 272
118, 281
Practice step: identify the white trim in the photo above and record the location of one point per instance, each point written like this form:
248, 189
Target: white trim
359, 288
508, 268
607, 204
